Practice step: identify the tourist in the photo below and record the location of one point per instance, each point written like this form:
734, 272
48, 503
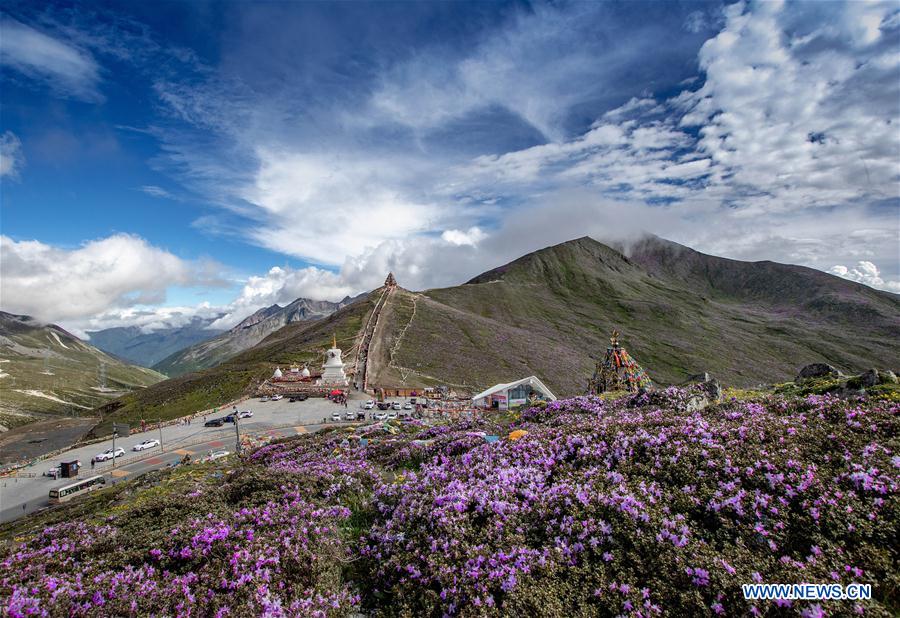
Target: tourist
92, 463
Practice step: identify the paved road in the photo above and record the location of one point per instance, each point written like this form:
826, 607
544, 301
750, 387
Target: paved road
276, 418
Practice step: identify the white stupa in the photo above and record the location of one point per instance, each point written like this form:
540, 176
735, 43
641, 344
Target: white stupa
305, 372
333, 369
277, 373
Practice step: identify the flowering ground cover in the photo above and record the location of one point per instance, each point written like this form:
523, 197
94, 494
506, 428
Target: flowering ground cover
626, 507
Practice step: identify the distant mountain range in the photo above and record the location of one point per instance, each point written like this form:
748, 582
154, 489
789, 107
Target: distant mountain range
550, 313
148, 348
248, 333
47, 370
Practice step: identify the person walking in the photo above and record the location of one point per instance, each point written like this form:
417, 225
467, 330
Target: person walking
93, 461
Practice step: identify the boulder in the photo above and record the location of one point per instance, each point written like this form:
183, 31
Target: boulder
887, 377
869, 378
817, 370
713, 389
698, 377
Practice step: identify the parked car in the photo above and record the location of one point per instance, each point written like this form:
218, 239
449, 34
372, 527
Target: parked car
392, 415
213, 455
264, 398
214, 422
360, 416
396, 405
407, 406
277, 397
384, 405
245, 414
335, 417
369, 404
380, 416
143, 446
109, 454
229, 418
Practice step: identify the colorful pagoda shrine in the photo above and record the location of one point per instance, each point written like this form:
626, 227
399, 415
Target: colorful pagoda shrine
390, 282
618, 371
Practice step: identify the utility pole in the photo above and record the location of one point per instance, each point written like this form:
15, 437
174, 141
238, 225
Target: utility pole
237, 431
115, 433
160, 435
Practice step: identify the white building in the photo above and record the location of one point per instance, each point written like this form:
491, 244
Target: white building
333, 369
505, 396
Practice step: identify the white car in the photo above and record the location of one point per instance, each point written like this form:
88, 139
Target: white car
396, 405
380, 416
213, 455
392, 415
143, 446
349, 415
264, 398
277, 397
407, 406
245, 414
369, 404
335, 417
107, 455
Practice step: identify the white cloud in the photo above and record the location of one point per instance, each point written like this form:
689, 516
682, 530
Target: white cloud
70, 71
155, 191
866, 273
325, 209
11, 158
470, 237
148, 318
71, 285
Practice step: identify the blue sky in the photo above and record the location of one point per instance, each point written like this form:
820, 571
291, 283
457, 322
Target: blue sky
164, 160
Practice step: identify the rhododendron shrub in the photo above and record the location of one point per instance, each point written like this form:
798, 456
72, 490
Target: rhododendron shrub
640, 506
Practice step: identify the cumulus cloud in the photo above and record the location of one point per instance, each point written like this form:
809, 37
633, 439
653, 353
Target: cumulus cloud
68, 285
471, 237
11, 158
866, 273
325, 209
65, 68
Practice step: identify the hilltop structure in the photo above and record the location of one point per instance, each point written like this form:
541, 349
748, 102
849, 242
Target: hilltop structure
390, 282
618, 371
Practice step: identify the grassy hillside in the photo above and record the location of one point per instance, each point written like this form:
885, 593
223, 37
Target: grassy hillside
45, 370
600, 508
298, 342
551, 312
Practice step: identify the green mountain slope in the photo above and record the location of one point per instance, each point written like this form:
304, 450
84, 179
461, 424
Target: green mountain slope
46, 370
550, 313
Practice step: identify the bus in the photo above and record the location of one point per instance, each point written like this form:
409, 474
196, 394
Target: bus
67, 492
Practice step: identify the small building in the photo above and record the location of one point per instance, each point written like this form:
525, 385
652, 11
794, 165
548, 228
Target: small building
520, 392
